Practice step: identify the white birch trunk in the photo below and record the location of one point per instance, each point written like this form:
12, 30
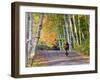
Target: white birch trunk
64, 37
83, 36
37, 36
67, 31
64, 33
60, 44
75, 29
28, 34
71, 30
79, 30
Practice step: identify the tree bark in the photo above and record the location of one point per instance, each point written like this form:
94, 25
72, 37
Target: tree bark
71, 30
79, 30
37, 36
83, 36
67, 31
28, 34
75, 29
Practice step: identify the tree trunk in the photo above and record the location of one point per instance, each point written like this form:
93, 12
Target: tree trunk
75, 29
64, 37
79, 30
28, 34
67, 30
37, 35
59, 41
64, 34
83, 36
71, 30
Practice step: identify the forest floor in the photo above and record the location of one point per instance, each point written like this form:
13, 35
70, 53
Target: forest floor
55, 58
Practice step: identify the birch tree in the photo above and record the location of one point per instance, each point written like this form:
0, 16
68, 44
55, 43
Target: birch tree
59, 42
67, 31
75, 29
71, 30
83, 36
80, 38
28, 34
37, 35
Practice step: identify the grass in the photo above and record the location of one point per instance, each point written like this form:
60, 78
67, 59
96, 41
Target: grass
83, 48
